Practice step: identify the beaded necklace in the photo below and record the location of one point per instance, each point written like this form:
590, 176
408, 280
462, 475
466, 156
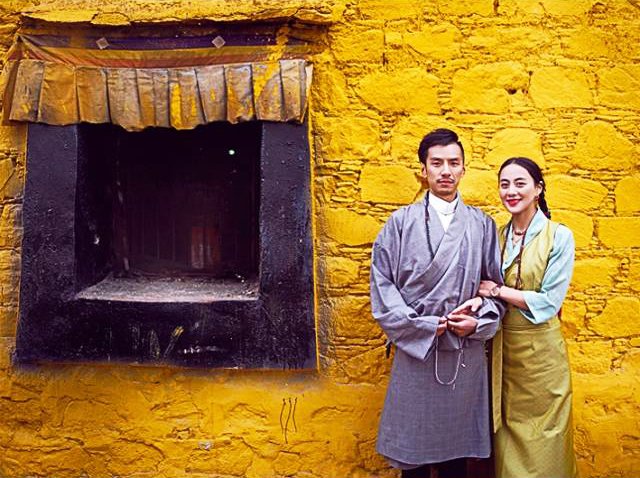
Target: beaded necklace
518, 259
426, 224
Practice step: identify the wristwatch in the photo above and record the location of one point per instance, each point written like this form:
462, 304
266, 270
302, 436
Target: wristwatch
495, 291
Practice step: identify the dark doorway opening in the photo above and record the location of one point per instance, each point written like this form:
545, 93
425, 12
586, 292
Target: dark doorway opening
177, 212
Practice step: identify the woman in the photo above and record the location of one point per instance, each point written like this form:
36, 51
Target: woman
534, 435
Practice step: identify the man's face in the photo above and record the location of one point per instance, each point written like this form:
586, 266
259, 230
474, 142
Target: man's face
443, 169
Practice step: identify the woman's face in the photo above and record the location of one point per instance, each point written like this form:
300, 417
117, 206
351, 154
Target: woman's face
518, 191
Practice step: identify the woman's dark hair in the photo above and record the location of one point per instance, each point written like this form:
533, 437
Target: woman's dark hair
536, 173
438, 137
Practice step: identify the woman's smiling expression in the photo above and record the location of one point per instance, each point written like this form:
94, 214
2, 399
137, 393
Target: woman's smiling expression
518, 191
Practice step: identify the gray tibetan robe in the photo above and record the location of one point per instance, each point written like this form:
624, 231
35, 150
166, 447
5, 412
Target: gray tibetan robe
424, 421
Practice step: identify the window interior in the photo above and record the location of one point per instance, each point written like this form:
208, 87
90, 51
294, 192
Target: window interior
178, 208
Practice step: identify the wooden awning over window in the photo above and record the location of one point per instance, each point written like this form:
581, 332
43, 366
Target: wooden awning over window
136, 82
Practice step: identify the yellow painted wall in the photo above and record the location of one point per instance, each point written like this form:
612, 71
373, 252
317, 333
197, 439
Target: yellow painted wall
558, 80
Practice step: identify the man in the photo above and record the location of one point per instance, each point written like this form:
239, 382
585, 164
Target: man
427, 263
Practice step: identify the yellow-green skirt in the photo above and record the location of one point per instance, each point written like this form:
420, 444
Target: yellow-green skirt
535, 435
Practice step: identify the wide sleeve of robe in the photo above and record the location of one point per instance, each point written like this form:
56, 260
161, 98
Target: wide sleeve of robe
410, 332
492, 310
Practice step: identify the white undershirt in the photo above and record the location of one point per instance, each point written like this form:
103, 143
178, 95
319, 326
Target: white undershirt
444, 209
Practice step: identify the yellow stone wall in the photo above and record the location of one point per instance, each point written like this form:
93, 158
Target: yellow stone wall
557, 80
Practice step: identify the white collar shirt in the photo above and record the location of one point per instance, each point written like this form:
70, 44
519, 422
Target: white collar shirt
444, 209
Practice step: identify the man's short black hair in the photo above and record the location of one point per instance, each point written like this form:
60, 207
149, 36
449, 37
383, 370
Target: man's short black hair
438, 137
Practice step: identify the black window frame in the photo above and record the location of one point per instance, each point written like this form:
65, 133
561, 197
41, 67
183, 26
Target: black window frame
274, 330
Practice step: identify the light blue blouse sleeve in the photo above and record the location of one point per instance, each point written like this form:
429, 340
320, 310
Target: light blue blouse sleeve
544, 305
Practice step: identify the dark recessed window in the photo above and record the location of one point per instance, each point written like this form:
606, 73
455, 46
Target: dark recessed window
175, 209
187, 201
189, 247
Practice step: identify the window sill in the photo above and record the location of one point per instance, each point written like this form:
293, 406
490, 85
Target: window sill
171, 290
